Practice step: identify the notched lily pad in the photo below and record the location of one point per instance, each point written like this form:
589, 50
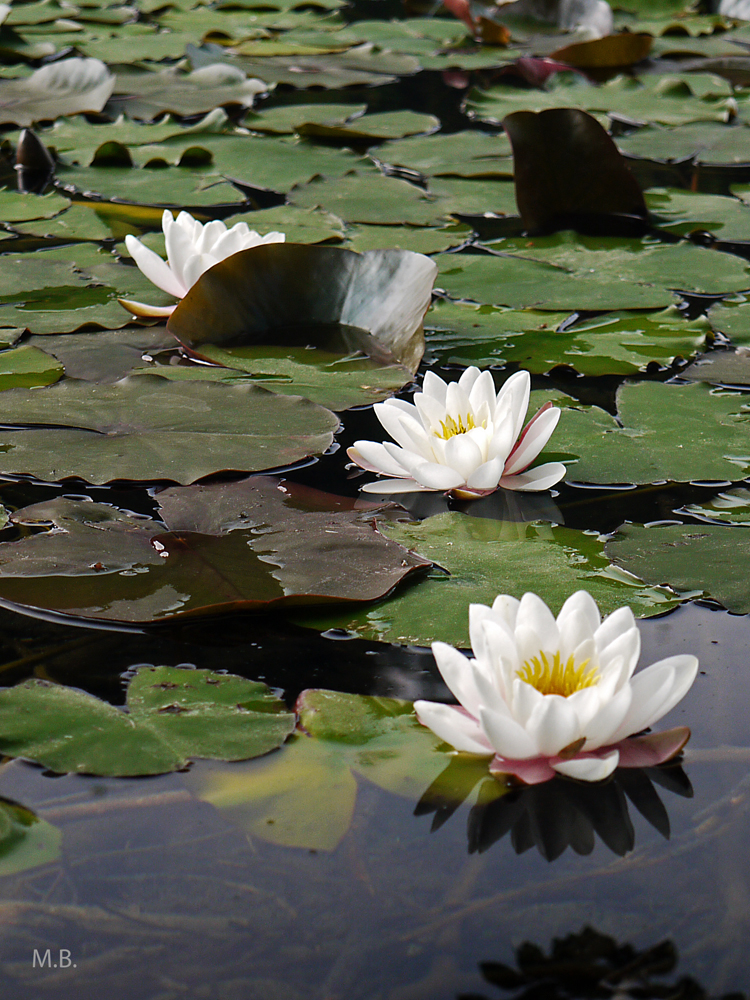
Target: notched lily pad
145, 428
248, 546
173, 715
377, 299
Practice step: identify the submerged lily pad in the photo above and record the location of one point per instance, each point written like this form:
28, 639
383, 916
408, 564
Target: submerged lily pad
26, 841
255, 295
174, 715
662, 432
617, 343
248, 546
485, 558
706, 558
306, 796
146, 428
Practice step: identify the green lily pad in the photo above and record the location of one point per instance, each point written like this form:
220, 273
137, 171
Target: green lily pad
372, 198
485, 557
27, 366
146, 428
566, 271
679, 433
151, 94
173, 716
286, 118
721, 368
383, 125
169, 187
705, 142
684, 211
732, 318
419, 239
300, 225
104, 356
297, 295
618, 343
26, 841
664, 100
706, 558
458, 154
306, 796
79, 222
16, 207
248, 546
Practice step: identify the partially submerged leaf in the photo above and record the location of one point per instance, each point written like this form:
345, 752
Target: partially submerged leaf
26, 841
251, 297
173, 715
609, 52
590, 183
249, 546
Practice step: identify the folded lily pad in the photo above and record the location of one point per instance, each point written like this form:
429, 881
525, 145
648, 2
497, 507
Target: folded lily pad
255, 295
485, 558
680, 433
174, 715
708, 559
616, 343
145, 428
249, 546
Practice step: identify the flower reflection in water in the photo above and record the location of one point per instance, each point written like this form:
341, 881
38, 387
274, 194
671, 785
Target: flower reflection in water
590, 965
557, 814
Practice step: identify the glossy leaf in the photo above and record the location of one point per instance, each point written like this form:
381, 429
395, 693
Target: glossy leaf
252, 296
173, 715
244, 546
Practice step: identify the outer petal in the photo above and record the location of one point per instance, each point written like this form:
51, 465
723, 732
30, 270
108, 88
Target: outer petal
581, 607
530, 772
514, 397
462, 455
656, 690
156, 270
371, 455
589, 768
436, 477
386, 486
535, 436
614, 625
486, 476
532, 480
454, 726
143, 309
600, 729
396, 422
456, 671
435, 387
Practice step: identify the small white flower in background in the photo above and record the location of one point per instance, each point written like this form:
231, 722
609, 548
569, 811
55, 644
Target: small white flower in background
546, 696
461, 436
192, 248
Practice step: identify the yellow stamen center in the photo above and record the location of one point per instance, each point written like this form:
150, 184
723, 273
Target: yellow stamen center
556, 677
452, 427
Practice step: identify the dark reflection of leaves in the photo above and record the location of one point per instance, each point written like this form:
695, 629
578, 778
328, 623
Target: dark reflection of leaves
557, 814
588, 966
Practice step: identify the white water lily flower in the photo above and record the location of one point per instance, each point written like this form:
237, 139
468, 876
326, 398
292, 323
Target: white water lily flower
461, 436
545, 696
192, 248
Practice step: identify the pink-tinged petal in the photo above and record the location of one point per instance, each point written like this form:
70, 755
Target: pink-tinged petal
372, 456
535, 436
387, 486
434, 387
462, 455
486, 476
616, 624
508, 738
581, 609
513, 398
530, 772
145, 310
456, 671
436, 477
534, 480
155, 269
588, 768
599, 730
653, 749
553, 725
454, 726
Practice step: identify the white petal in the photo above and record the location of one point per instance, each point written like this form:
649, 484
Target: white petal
457, 673
403, 428
431, 412
685, 669
477, 614
601, 728
508, 738
656, 690
540, 478
525, 699
486, 476
534, 614
143, 309
371, 455
453, 726
435, 387
500, 644
395, 486
180, 248
437, 477
514, 398
535, 436
617, 623
469, 376
626, 646
463, 455
156, 270
581, 605
589, 768
197, 265
506, 608
456, 401
553, 725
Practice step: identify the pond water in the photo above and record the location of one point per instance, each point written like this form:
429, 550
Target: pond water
353, 863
